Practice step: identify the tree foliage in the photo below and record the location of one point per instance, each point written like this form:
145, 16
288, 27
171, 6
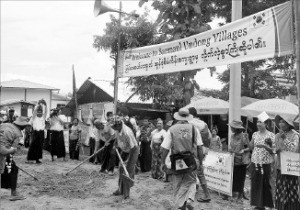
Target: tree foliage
258, 80
183, 18
134, 32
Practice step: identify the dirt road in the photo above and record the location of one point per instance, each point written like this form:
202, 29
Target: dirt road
87, 188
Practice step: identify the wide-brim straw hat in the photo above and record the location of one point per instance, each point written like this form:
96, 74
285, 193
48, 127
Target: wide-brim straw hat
237, 124
183, 114
22, 121
288, 119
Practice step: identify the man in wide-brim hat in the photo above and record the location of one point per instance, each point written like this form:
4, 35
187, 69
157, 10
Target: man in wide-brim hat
9, 133
183, 137
237, 124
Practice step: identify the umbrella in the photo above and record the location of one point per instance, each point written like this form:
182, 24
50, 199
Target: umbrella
272, 107
247, 100
210, 106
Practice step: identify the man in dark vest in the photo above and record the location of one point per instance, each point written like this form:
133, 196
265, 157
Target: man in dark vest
183, 138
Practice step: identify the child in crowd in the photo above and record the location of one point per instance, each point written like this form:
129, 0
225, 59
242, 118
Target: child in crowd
215, 143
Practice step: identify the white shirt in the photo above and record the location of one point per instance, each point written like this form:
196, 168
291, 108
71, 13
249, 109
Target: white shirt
158, 136
38, 123
126, 139
56, 125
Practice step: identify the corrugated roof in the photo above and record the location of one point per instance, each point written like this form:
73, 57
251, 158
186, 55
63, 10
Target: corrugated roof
25, 84
124, 91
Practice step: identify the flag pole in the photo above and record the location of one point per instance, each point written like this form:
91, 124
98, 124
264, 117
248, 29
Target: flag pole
75, 93
296, 8
235, 76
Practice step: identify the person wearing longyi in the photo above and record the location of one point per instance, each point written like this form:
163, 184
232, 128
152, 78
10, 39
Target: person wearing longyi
107, 137
157, 136
10, 134
75, 140
262, 144
56, 135
287, 186
125, 140
35, 151
239, 141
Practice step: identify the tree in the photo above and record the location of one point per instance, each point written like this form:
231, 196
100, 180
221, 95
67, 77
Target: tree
258, 78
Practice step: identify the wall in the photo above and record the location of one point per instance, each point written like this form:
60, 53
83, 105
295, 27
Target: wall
12, 93
32, 95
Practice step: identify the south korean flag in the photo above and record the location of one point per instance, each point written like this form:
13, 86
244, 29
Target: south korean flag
260, 19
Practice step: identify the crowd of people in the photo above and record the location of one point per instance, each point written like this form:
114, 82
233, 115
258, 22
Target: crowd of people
172, 151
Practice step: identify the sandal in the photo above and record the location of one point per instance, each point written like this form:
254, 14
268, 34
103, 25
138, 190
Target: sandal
204, 200
16, 198
117, 192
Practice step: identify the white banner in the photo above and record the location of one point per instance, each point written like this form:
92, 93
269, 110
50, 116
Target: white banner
262, 35
290, 163
218, 171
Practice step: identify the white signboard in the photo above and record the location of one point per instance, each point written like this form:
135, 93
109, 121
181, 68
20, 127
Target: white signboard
290, 163
262, 35
218, 171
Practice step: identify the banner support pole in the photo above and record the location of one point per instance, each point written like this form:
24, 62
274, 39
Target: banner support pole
235, 76
296, 8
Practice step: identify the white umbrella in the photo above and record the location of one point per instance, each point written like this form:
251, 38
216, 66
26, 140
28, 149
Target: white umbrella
210, 106
272, 107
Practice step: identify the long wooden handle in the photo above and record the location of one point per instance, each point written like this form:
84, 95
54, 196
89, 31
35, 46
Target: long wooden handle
86, 160
21, 169
123, 164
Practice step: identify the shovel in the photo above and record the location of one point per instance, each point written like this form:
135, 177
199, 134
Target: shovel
125, 177
85, 160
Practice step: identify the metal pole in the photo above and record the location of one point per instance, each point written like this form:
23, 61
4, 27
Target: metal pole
116, 82
296, 7
235, 76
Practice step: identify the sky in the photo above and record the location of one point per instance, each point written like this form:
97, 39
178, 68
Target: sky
41, 40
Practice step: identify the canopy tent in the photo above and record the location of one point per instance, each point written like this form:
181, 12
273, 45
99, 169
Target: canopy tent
210, 106
272, 107
247, 100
